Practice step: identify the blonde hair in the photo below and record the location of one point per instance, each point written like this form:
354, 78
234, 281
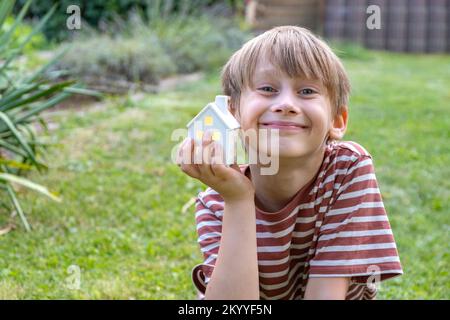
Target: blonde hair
294, 50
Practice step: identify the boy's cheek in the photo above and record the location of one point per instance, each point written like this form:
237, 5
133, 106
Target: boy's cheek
249, 123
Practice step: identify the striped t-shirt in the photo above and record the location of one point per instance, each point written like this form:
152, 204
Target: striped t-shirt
335, 226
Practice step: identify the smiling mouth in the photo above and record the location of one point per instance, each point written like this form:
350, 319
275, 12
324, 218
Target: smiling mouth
283, 125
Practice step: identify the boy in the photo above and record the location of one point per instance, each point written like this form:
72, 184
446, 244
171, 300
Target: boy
317, 229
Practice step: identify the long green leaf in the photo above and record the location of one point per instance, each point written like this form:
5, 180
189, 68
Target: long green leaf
15, 164
87, 92
16, 205
34, 97
18, 136
16, 94
36, 29
29, 184
6, 7
34, 144
4, 39
12, 148
50, 103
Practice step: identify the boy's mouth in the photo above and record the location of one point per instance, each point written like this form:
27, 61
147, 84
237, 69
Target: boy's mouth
283, 125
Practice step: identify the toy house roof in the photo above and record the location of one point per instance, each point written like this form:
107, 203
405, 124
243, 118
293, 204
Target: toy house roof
226, 117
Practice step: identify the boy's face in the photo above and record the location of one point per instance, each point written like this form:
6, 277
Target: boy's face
299, 108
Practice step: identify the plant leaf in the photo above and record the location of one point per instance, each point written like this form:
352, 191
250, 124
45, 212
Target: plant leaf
19, 137
16, 205
29, 184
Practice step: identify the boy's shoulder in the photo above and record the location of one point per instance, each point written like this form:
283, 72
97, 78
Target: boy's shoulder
341, 156
350, 148
345, 160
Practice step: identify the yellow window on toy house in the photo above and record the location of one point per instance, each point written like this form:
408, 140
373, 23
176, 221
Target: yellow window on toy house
199, 134
216, 135
209, 121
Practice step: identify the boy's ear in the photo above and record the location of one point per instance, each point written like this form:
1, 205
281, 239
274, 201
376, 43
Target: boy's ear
339, 124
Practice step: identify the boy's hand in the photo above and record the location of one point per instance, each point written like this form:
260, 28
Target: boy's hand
205, 164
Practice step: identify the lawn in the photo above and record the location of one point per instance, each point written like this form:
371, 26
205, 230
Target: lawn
121, 221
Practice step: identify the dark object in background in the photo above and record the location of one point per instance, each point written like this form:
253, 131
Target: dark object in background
437, 26
406, 25
377, 37
99, 12
397, 15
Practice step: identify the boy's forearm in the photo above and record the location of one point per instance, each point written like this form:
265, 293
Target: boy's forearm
327, 288
236, 274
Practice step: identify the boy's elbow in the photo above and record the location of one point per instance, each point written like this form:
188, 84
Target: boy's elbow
212, 293
327, 289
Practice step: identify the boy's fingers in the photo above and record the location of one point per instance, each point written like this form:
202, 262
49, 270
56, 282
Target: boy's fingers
187, 152
206, 137
207, 153
202, 156
220, 170
198, 148
185, 159
235, 167
179, 158
218, 166
191, 170
218, 153
205, 167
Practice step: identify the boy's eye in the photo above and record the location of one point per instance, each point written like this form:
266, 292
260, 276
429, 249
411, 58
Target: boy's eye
307, 91
267, 89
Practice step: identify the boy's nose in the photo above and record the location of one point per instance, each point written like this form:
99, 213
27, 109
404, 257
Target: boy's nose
285, 106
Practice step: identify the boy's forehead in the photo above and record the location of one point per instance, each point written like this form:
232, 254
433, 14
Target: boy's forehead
265, 68
266, 71
264, 65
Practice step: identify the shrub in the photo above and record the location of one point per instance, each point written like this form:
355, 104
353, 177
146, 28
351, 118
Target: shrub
22, 98
120, 58
20, 33
144, 52
98, 12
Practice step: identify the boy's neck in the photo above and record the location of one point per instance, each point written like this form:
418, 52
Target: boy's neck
273, 192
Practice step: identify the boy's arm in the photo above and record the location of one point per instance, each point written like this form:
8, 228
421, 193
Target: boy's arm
327, 288
235, 275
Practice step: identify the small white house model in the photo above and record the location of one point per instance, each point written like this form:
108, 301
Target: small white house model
216, 118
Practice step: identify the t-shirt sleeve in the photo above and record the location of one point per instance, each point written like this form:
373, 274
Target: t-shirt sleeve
355, 239
208, 217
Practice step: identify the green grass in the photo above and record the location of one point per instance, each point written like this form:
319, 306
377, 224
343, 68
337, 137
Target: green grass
121, 219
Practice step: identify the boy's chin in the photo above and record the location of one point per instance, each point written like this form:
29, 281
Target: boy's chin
286, 152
